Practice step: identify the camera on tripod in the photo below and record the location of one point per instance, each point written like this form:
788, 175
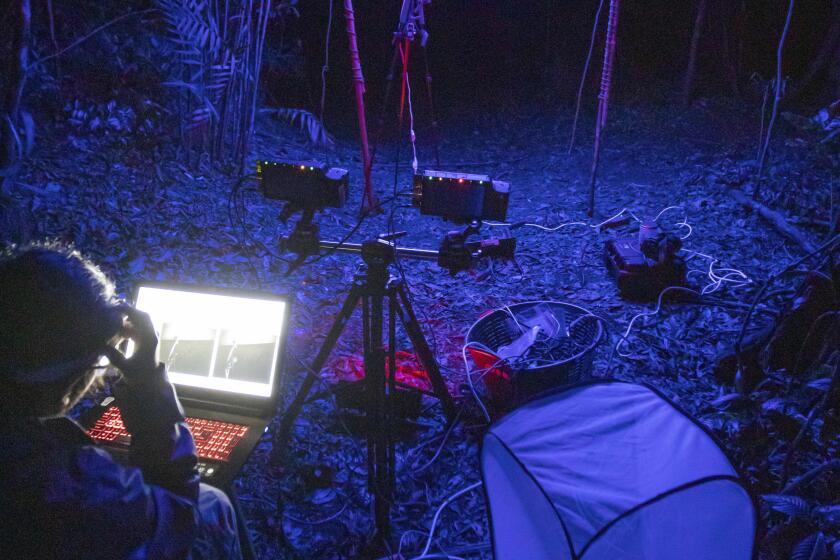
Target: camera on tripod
463, 198
303, 184
460, 197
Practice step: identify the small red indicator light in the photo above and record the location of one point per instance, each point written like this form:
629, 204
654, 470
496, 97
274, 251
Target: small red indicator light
461, 180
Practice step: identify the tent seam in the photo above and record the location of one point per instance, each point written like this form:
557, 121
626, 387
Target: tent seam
570, 546
662, 495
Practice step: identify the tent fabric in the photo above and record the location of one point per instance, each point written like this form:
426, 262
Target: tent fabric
612, 470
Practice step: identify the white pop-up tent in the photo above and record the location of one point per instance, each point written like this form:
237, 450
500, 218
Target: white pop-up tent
612, 471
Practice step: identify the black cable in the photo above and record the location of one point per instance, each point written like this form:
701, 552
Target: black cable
355, 228
232, 199
233, 209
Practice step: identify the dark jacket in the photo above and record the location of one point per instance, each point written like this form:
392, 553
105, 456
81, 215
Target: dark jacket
62, 497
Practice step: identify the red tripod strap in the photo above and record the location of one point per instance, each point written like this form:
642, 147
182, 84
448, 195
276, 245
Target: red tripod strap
404, 48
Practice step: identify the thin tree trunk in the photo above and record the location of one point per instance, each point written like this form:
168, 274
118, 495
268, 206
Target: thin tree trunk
778, 97
15, 70
691, 68
585, 74
17, 63
604, 97
824, 55
834, 75
728, 62
51, 17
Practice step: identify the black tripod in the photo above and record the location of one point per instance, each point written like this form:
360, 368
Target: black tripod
412, 24
372, 285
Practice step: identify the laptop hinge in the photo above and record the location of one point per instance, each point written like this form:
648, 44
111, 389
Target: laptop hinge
252, 411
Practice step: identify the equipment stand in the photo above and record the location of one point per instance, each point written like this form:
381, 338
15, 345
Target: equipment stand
372, 286
411, 25
401, 56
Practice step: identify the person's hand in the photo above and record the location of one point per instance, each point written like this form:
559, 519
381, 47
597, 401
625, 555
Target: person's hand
144, 360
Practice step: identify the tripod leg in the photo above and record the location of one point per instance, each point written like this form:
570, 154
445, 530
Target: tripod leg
370, 387
389, 84
435, 132
378, 430
392, 380
281, 436
427, 359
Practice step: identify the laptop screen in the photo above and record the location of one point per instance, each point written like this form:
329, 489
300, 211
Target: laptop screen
215, 341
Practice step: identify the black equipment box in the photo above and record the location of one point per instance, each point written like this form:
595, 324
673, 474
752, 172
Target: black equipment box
643, 271
307, 184
460, 197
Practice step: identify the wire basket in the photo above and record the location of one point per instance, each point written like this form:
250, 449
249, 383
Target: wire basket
516, 380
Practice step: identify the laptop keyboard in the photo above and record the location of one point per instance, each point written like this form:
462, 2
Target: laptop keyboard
214, 440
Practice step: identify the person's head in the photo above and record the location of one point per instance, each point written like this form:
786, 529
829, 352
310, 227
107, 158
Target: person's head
57, 314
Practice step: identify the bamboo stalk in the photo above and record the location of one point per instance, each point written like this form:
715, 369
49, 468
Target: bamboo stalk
369, 200
604, 97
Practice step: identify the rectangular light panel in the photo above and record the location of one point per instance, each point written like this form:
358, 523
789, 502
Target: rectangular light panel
219, 342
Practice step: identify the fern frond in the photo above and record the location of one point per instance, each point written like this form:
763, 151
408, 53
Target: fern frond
306, 121
792, 506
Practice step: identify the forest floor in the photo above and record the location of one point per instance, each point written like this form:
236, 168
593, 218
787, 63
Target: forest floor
143, 214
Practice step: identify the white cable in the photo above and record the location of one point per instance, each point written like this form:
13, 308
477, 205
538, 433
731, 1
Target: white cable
469, 376
446, 502
561, 226
325, 68
607, 221
685, 223
647, 314
666, 209
512, 316
402, 540
731, 276
411, 135
538, 226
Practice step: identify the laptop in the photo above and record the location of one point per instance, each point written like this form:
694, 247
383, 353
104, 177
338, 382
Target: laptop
224, 350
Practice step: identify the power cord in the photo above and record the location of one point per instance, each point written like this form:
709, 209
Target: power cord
233, 208
564, 225
450, 499
326, 67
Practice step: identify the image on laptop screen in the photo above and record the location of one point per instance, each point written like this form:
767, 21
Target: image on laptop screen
215, 341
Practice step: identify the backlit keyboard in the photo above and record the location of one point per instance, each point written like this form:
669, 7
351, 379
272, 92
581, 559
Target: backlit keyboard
213, 439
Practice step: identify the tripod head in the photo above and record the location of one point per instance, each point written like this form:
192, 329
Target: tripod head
412, 21
457, 254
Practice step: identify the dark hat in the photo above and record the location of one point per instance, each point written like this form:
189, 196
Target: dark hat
57, 313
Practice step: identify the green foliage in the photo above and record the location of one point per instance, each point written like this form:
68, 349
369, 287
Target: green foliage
812, 547
792, 506
217, 49
308, 123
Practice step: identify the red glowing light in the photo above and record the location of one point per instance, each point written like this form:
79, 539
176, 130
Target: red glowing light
461, 180
409, 371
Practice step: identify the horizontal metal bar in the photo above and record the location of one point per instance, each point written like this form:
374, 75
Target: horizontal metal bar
407, 252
